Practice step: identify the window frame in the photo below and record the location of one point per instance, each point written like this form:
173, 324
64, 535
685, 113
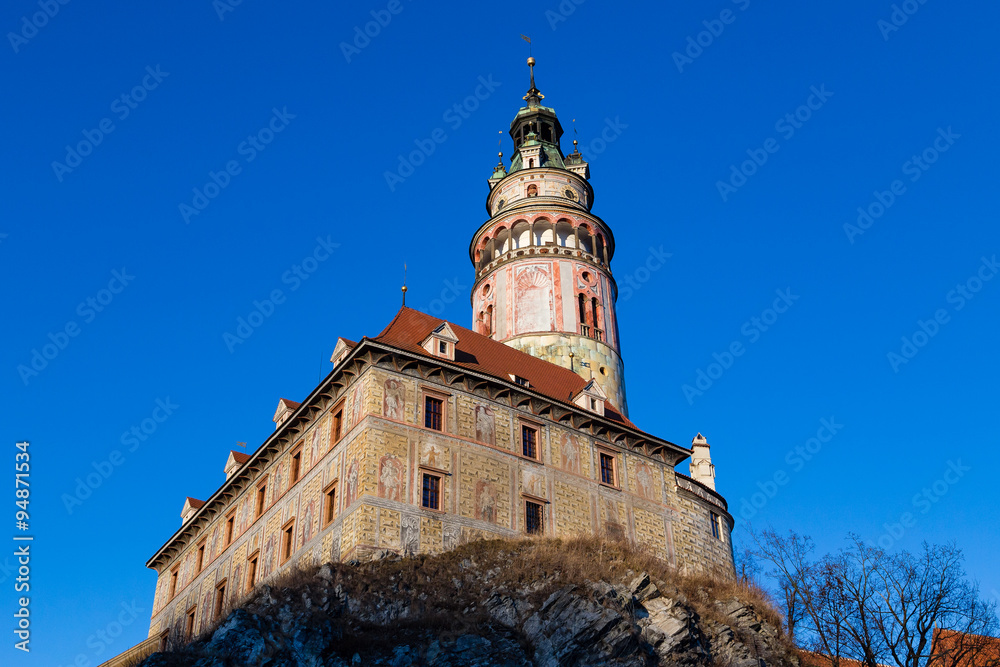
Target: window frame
190, 621
287, 542
540, 504
337, 427
175, 575
220, 599
295, 465
437, 396
199, 563
253, 562
260, 502
230, 530
537, 428
716, 521
425, 474
615, 474
330, 513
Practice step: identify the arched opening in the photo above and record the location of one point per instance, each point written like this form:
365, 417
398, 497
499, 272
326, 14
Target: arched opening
583, 236
599, 250
532, 189
543, 232
597, 321
521, 234
583, 309
564, 234
502, 242
489, 321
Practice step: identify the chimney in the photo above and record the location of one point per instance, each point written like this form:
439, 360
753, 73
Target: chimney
191, 506
701, 467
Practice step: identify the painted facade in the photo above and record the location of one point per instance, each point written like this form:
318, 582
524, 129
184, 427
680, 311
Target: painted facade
430, 435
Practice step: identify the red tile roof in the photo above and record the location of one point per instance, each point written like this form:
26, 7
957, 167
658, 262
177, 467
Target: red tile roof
290, 403
194, 502
485, 355
966, 650
810, 659
239, 457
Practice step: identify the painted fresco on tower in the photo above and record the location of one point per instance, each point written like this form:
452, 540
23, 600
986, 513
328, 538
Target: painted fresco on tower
394, 401
533, 299
390, 478
485, 425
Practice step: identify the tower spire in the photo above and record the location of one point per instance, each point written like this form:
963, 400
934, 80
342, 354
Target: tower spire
534, 97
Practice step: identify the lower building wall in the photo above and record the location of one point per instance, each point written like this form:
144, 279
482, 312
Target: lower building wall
377, 470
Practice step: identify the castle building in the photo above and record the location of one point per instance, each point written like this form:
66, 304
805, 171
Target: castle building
431, 434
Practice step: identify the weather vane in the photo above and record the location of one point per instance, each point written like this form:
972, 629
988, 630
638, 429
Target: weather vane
528, 40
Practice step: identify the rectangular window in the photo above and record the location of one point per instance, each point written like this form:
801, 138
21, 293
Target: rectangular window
230, 528
261, 499
608, 470
296, 467
338, 423
532, 518
433, 413
200, 558
529, 441
287, 539
220, 599
173, 583
442, 347
716, 525
329, 504
189, 622
252, 571
431, 492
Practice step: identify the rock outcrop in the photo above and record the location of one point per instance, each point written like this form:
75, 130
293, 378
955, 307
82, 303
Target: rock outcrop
535, 602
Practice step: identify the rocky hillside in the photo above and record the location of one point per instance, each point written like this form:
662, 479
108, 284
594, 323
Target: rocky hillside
531, 602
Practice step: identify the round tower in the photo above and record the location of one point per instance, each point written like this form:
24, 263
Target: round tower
543, 260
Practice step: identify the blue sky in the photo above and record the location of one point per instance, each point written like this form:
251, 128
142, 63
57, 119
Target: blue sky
865, 98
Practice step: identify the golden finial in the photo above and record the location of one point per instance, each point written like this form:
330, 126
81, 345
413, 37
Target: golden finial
404, 284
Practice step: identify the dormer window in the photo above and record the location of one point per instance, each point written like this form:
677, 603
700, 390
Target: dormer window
591, 398
441, 342
517, 379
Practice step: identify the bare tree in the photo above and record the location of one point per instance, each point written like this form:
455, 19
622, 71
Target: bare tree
877, 608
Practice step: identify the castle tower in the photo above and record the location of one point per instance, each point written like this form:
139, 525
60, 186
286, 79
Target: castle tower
701, 467
543, 260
